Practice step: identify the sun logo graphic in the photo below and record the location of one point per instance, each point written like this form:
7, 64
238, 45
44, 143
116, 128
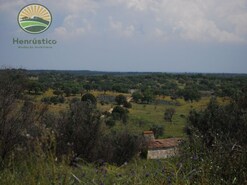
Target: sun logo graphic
34, 18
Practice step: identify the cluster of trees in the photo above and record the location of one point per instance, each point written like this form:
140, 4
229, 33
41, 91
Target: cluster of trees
188, 86
81, 130
119, 112
189, 93
76, 132
147, 96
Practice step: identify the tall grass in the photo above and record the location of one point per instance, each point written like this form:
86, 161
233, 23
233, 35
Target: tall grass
46, 171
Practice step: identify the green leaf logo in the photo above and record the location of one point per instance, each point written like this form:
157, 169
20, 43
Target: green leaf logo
34, 18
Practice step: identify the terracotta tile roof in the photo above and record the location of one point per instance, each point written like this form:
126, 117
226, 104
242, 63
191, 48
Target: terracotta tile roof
163, 143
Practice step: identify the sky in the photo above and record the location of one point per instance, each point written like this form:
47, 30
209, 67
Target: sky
132, 35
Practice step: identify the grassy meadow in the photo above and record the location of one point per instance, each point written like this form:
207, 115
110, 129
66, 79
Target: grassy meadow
143, 116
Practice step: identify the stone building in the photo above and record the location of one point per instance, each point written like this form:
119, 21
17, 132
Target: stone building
160, 148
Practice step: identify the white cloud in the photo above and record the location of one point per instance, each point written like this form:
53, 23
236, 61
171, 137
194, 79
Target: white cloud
138, 5
73, 27
10, 5
239, 22
160, 34
75, 23
197, 20
76, 6
120, 29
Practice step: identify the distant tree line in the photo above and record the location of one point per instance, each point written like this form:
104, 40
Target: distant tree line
146, 86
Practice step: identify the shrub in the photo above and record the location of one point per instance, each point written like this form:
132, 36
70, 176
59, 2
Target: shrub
74, 100
120, 113
119, 147
120, 99
79, 131
126, 146
89, 98
169, 112
137, 96
127, 105
158, 130
110, 122
54, 99
17, 119
217, 143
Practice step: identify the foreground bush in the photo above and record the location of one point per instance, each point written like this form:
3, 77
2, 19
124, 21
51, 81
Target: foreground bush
20, 120
216, 152
78, 131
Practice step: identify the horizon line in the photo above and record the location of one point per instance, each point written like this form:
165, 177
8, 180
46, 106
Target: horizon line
115, 71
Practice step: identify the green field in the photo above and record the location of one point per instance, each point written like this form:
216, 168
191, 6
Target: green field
143, 116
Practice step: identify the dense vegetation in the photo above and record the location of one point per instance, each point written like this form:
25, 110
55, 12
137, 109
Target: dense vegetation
71, 128
217, 145
147, 85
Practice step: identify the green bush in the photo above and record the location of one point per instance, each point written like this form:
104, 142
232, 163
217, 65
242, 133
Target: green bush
54, 99
89, 98
110, 122
127, 105
120, 113
119, 147
169, 112
120, 99
158, 130
217, 147
78, 131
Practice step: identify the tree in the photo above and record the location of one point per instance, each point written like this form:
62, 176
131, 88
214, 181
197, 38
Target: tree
190, 94
137, 96
110, 122
34, 87
79, 130
147, 97
127, 105
219, 121
158, 130
57, 99
67, 91
120, 99
89, 98
125, 147
120, 113
58, 92
75, 90
119, 147
87, 87
169, 112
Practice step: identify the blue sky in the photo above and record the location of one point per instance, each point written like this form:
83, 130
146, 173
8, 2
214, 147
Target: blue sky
132, 35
